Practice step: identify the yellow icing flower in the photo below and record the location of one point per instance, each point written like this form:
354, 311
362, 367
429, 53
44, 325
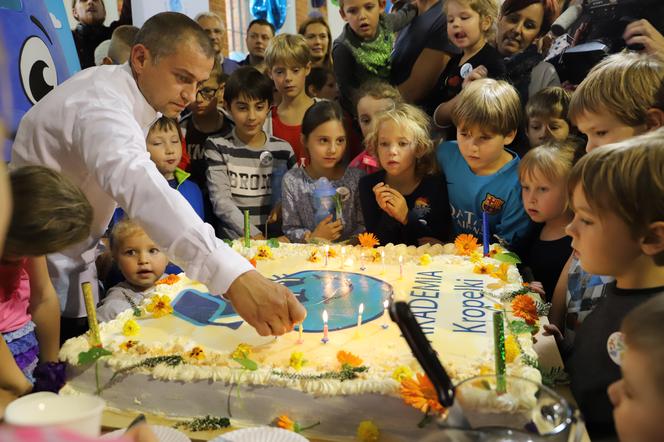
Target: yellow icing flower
402, 372
314, 256
476, 257
127, 345
242, 351
264, 252
159, 306
484, 269
367, 431
131, 328
425, 259
297, 360
501, 273
197, 353
495, 249
512, 350
498, 306
485, 369
375, 255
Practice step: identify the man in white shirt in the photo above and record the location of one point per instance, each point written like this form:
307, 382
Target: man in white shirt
92, 128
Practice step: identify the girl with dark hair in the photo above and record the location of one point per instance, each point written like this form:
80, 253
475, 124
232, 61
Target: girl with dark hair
324, 178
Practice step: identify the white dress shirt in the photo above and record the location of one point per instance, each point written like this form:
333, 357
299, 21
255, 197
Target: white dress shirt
92, 128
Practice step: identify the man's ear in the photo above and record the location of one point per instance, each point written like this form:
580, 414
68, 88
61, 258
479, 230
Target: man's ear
139, 57
653, 242
654, 118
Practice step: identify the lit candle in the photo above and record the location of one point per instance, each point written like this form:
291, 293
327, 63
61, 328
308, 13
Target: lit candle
300, 330
359, 318
386, 304
343, 256
485, 233
400, 267
325, 330
382, 260
327, 252
499, 351
95, 340
362, 266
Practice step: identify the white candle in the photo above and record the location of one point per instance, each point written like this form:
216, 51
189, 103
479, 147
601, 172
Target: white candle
400, 267
343, 256
327, 252
300, 330
386, 304
382, 260
359, 318
325, 329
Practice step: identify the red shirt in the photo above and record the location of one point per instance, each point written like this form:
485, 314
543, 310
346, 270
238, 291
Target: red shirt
292, 134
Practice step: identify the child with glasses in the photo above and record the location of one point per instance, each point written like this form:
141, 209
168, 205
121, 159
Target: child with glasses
405, 202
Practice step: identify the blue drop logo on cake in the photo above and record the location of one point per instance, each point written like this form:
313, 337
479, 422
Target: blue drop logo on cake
340, 293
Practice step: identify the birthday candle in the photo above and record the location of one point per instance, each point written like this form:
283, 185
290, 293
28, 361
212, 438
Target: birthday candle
343, 256
386, 304
247, 229
499, 351
327, 252
359, 318
95, 340
325, 329
485, 233
300, 329
382, 260
400, 267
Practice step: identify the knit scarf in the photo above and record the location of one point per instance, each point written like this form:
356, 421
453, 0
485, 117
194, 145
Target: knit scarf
374, 56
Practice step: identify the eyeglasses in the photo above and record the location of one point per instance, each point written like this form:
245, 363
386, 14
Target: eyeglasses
207, 93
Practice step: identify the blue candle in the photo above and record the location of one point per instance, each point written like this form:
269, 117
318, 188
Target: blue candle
485, 232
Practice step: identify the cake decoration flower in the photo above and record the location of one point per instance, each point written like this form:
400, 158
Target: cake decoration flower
402, 372
242, 351
476, 257
375, 255
512, 350
128, 345
264, 252
131, 328
425, 259
285, 422
368, 240
465, 244
420, 394
525, 308
501, 272
331, 253
484, 268
495, 249
297, 360
197, 353
347, 358
367, 431
253, 261
314, 256
159, 306
169, 280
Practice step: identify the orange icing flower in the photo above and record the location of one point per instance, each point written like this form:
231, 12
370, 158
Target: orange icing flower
314, 256
524, 307
159, 306
264, 252
465, 244
484, 269
420, 394
501, 272
345, 357
285, 422
170, 280
368, 240
127, 345
197, 353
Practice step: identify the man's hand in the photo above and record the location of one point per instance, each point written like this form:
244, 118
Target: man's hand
267, 306
644, 33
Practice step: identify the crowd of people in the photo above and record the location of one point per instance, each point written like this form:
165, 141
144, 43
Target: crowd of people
421, 122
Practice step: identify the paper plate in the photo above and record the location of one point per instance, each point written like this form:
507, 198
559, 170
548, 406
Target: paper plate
164, 434
262, 434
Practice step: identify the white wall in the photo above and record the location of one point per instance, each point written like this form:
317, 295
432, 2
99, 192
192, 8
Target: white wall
334, 19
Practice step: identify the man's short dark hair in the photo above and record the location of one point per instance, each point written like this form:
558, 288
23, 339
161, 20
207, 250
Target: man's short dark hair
248, 82
262, 22
162, 32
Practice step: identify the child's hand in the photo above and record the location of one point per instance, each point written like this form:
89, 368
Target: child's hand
476, 74
275, 214
552, 330
378, 192
258, 237
394, 204
328, 229
537, 287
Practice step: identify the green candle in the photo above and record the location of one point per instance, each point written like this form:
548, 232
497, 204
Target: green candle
499, 351
247, 229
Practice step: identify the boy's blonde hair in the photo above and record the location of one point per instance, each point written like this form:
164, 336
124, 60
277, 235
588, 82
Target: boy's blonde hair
413, 120
643, 329
379, 90
623, 84
626, 178
485, 8
490, 104
50, 212
288, 49
551, 102
123, 229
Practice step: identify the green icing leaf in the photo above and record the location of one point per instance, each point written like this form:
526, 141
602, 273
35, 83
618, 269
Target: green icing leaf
520, 327
207, 423
90, 356
247, 363
508, 257
273, 242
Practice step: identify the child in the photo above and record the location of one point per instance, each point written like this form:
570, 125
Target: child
482, 175
204, 120
246, 166
324, 136
141, 262
546, 116
375, 96
288, 62
50, 213
362, 52
321, 84
617, 195
405, 203
638, 398
469, 26
543, 174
